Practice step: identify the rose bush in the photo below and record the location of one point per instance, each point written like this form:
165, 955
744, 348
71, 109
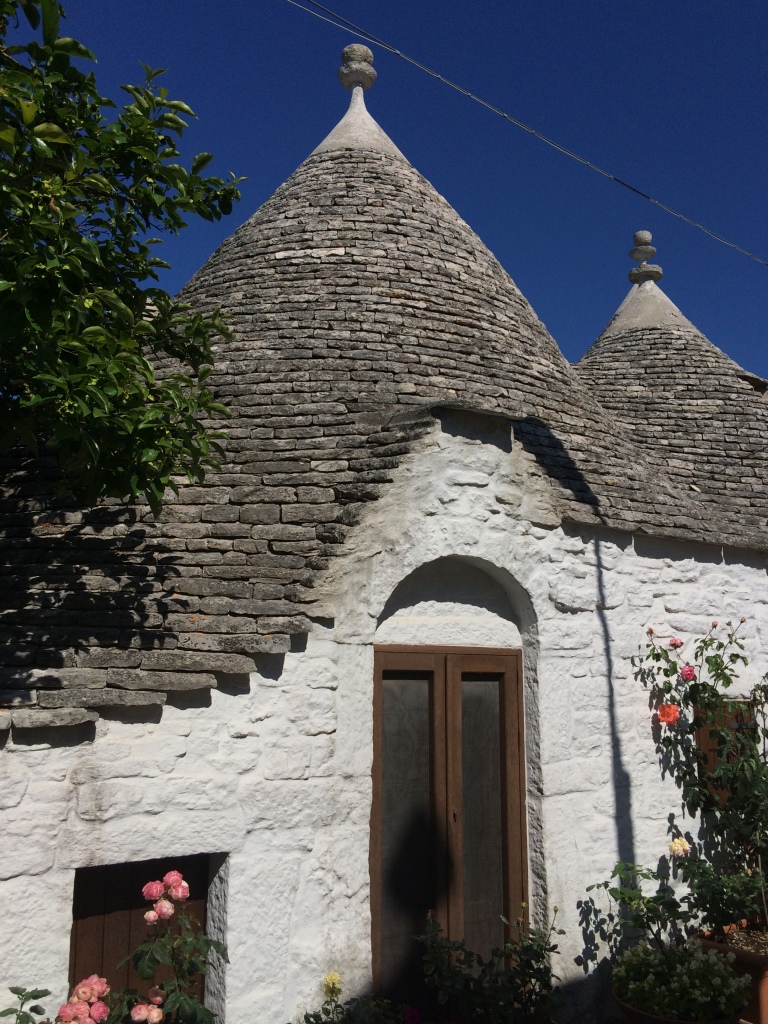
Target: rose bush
714, 746
174, 945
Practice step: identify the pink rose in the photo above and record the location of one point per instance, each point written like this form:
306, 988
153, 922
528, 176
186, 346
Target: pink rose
676, 643
179, 892
99, 986
151, 917
156, 995
649, 631
153, 890
714, 623
164, 909
139, 1012
173, 878
155, 1015
66, 1012
687, 673
80, 1010
99, 1011
83, 993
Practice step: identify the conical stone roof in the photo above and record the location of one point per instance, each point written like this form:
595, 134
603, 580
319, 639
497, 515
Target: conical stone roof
356, 293
695, 411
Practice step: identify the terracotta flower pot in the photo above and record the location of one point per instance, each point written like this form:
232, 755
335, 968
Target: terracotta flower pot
756, 966
641, 1017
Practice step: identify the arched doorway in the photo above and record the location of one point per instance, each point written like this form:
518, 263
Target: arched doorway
448, 825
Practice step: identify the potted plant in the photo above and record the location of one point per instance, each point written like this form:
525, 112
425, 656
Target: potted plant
714, 746
659, 974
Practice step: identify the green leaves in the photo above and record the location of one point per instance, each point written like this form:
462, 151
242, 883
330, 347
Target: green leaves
72, 48
514, 984
50, 133
82, 320
51, 15
20, 1015
201, 162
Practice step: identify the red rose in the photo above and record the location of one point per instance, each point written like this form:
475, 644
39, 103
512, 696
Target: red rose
668, 714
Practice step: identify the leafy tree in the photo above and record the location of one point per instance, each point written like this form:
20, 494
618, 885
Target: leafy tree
84, 185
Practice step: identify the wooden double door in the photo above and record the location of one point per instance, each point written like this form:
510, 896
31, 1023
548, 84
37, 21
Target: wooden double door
448, 815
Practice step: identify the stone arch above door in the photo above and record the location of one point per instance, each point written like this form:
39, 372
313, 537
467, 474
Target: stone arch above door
456, 601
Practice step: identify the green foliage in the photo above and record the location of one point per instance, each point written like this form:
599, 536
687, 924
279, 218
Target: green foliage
177, 945
716, 754
84, 185
717, 899
22, 1014
658, 916
514, 985
661, 973
682, 982
357, 1011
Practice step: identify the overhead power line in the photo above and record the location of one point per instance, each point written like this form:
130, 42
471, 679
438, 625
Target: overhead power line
332, 18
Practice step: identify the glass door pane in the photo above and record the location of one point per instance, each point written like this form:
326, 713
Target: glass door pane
407, 831
482, 812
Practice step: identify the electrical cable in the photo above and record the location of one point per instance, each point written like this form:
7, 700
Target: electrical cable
348, 26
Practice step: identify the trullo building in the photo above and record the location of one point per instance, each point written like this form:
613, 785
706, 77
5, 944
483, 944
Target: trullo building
382, 661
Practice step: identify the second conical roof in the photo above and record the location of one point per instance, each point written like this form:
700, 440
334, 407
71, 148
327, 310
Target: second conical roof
694, 410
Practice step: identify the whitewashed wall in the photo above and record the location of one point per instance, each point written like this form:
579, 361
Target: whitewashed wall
276, 773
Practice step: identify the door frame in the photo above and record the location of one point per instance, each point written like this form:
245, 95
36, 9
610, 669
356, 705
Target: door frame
447, 663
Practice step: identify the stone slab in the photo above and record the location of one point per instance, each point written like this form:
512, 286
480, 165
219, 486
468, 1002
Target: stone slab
14, 698
137, 679
245, 643
98, 698
39, 718
186, 661
52, 678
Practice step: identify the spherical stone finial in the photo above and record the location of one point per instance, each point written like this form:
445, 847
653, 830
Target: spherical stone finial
356, 68
642, 252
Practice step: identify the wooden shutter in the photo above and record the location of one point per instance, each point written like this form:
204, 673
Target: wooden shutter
108, 916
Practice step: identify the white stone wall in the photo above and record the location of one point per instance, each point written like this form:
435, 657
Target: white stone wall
277, 774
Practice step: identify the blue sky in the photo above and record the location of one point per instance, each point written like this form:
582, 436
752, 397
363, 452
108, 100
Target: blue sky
669, 95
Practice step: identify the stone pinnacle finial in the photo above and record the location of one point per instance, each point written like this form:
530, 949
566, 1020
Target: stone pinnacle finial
643, 252
356, 67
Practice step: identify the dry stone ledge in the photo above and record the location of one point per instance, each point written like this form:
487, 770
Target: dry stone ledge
133, 679
185, 661
5, 721
42, 719
54, 678
245, 643
98, 698
14, 698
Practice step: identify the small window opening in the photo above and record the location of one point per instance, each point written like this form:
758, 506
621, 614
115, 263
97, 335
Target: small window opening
108, 916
